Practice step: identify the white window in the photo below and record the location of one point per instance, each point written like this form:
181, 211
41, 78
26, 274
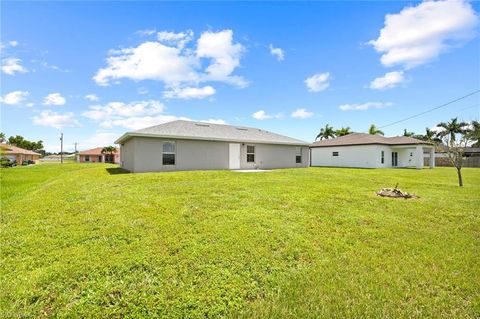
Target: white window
334, 153
168, 153
250, 154
383, 157
298, 155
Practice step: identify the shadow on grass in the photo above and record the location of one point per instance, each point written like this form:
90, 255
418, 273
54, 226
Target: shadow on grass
116, 170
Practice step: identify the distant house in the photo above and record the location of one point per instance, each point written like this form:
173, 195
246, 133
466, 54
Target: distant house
17, 154
371, 151
186, 145
95, 155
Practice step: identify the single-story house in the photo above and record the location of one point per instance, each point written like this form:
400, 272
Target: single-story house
17, 154
371, 151
187, 145
95, 155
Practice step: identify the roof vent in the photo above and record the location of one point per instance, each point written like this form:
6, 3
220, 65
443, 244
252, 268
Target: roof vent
202, 124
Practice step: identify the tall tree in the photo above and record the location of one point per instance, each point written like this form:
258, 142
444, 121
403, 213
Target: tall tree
456, 136
452, 128
429, 136
373, 130
407, 133
475, 133
343, 131
326, 133
2, 137
20, 141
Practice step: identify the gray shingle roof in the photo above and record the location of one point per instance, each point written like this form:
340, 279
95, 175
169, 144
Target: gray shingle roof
365, 139
207, 131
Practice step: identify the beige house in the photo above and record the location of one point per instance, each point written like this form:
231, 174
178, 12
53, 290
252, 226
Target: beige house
371, 151
17, 154
187, 145
95, 155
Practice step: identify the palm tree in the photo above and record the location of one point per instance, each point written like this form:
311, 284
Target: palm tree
452, 128
2, 137
407, 133
326, 133
343, 131
475, 132
430, 136
373, 130
109, 150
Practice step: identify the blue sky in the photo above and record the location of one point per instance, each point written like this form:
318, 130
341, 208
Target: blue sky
289, 67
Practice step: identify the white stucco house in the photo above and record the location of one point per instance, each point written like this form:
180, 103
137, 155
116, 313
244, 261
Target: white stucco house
187, 145
371, 151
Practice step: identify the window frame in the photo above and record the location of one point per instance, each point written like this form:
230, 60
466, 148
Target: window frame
174, 153
251, 154
336, 154
298, 155
87, 158
383, 157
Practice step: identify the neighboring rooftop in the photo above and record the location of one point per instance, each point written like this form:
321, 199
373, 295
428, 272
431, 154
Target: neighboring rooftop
366, 139
94, 151
207, 131
12, 149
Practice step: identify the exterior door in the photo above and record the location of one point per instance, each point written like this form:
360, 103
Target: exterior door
234, 156
394, 159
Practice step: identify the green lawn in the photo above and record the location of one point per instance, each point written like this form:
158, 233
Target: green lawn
80, 241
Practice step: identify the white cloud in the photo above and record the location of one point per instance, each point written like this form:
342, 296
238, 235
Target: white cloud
56, 120
120, 110
13, 43
54, 99
134, 115
388, 81
91, 97
11, 66
54, 67
419, 34
14, 98
301, 114
318, 82
170, 61
224, 54
148, 61
277, 52
364, 106
146, 32
98, 139
176, 39
262, 115
189, 93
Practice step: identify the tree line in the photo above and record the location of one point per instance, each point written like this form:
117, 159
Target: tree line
21, 142
451, 128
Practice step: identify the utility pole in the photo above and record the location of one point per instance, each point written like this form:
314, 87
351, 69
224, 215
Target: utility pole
61, 148
75, 147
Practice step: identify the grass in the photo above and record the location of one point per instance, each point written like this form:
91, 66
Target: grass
80, 241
